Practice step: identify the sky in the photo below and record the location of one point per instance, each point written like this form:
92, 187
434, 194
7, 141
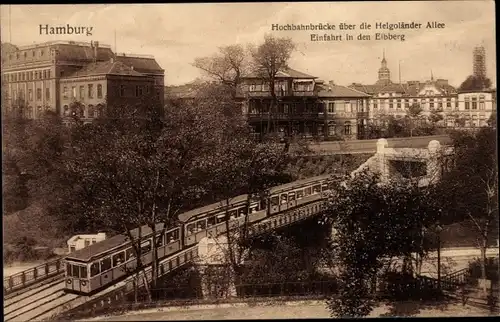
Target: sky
176, 34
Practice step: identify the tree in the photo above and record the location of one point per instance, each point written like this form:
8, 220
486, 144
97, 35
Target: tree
470, 189
413, 112
359, 209
227, 66
269, 58
475, 83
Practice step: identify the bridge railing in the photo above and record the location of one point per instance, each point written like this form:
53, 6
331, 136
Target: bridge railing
33, 275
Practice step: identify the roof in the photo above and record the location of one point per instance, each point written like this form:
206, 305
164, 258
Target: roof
73, 52
105, 68
86, 254
183, 91
297, 183
285, 73
409, 88
141, 64
186, 216
339, 91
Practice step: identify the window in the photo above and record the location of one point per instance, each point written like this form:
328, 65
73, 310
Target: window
467, 102
44, 74
83, 272
145, 246
100, 110
65, 92
65, 110
105, 264
87, 242
331, 129
201, 225
316, 189
283, 199
82, 92
347, 128
391, 105
75, 272
300, 194
99, 91
39, 111
30, 94
94, 269
31, 75
30, 112
47, 94
275, 201
307, 191
456, 104
448, 103
48, 73
38, 94
91, 90
130, 253
122, 90
398, 104
33, 53
118, 259
73, 91
41, 52
474, 103
138, 91
159, 240
331, 107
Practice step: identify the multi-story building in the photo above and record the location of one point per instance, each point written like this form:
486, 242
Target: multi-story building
41, 77
345, 111
395, 99
433, 97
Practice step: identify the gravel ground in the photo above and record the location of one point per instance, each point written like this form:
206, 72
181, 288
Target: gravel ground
292, 310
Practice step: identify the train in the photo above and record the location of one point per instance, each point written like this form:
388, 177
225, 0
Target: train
102, 264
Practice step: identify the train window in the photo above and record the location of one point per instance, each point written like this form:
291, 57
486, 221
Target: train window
105, 264
291, 196
172, 236
159, 240
83, 271
254, 208
146, 246
221, 218
300, 194
211, 221
284, 198
324, 186
75, 272
190, 229
275, 201
316, 189
94, 269
118, 259
201, 225
130, 253
242, 212
68, 269
307, 191
233, 214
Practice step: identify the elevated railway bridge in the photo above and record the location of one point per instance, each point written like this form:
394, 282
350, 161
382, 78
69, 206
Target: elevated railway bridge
38, 293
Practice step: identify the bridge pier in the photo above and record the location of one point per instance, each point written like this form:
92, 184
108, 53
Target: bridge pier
214, 265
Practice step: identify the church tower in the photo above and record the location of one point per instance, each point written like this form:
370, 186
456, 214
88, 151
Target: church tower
384, 74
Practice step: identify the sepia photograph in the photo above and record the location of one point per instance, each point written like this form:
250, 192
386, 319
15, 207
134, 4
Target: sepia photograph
250, 160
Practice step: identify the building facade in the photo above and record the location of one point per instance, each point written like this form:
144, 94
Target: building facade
306, 107
44, 77
434, 97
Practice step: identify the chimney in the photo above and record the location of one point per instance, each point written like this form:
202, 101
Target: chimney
96, 44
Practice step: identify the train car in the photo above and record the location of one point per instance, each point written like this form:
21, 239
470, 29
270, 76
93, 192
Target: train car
101, 264
297, 193
211, 220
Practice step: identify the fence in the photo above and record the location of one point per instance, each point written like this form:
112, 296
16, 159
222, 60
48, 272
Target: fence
32, 275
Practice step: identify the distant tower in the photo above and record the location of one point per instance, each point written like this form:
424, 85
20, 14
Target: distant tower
384, 74
479, 62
